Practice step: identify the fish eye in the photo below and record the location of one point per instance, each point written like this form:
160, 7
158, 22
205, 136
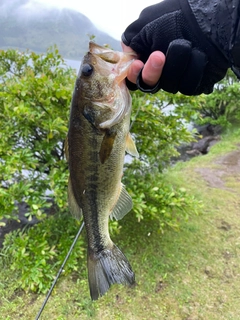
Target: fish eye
87, 69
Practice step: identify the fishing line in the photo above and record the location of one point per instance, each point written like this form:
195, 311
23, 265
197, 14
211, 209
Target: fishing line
59, 272
135, 117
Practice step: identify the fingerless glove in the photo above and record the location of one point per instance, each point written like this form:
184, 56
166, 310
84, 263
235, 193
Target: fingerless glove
194, 61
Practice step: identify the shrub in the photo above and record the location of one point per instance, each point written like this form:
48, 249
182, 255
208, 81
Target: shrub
35, 94
222, 106
37, 253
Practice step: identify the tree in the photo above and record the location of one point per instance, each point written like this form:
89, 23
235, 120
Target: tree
35, 94
222, 106
158, 126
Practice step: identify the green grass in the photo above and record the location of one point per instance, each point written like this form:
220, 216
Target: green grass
192, 273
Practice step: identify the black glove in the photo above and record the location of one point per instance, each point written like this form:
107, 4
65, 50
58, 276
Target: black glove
193, 64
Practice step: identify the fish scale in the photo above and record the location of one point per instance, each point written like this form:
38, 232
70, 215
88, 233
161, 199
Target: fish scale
97, 139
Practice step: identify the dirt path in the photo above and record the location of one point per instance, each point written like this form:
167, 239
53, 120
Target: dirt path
222, 233
227, 165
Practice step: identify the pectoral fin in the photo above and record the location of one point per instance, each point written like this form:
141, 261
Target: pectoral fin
131, 147
75, 210
107, 145
123, 205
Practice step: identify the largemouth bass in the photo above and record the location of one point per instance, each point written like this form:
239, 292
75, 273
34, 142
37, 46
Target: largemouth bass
97, 139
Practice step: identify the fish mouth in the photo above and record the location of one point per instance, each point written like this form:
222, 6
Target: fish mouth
104, 53
110, 56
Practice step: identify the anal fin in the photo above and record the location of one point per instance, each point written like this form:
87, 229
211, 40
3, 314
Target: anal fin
123, 205
74, 208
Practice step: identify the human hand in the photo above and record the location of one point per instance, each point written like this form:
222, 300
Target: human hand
151, 70
193, 64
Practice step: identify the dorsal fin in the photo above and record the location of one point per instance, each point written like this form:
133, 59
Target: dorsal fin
123, 205
131, 147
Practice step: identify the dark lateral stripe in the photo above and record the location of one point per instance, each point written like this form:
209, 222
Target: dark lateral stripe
92, 223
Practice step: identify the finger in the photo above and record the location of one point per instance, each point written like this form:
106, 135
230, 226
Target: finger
193, 75
134, 70
126, 48
135, 67
153, 68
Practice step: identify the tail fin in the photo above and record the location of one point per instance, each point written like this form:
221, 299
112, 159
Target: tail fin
107, 268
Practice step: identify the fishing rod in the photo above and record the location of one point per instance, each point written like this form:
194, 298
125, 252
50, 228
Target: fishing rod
59, 272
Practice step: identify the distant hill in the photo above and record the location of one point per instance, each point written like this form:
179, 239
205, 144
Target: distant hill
26, 24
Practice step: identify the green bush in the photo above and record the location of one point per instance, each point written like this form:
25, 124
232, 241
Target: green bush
222, 106
155, 199
157, 132
37, 253
158, 127
35, 95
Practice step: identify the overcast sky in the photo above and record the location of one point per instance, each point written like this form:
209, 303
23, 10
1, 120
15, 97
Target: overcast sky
110, 16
